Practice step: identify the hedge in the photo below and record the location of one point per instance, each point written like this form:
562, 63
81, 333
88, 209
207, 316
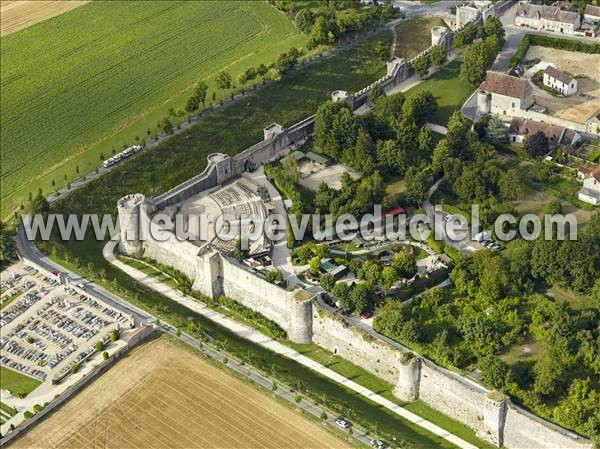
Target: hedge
550, 42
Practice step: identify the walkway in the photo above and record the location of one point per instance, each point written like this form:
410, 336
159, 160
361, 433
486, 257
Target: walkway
279, 348
281, 254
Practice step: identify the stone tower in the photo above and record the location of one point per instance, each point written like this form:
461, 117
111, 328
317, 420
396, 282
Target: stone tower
130, 214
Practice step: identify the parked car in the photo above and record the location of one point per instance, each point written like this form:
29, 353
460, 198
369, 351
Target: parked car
341, 422
368, 314
379, 444
81, 285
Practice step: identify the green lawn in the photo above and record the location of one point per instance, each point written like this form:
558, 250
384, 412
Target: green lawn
92, 79
8, 299
6, 412
16, 382
150, 271
448, 89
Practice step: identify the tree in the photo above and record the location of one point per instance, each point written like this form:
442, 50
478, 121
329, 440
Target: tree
289, 165
390, 156
192, 104
361, 298
458, 133
274, 276
441, 154
223, 80
105, 356
438, 55
477, 58
39, 205
388, 277
314, 266
404, 264
421, 65
99, 346
327, 281
370, 271
304, 19
510, 185
417, 184
114, 335
336, 128
375, 93
495, 372
420, 107
200, 91
495, 131
166, 125
537, 144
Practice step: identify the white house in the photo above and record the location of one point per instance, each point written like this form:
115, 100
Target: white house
590, 192
592, 125
560, 81
505, 95
549, 18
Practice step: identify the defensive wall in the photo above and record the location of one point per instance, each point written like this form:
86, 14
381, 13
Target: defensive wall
492, 415
306, 319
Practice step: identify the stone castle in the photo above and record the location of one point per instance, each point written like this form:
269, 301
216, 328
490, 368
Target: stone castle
303, 315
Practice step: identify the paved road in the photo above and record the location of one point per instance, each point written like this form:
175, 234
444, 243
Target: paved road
465, 246
515, 34
260, 339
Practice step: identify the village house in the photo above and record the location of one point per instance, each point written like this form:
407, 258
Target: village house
591, 13
590, 192
504, 94
560, 81
592, 125
521, 128
549, 18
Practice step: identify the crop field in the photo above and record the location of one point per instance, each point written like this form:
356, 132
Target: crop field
91, 80
163, 395
19, 14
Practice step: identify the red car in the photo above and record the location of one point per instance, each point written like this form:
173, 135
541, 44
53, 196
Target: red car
368, 314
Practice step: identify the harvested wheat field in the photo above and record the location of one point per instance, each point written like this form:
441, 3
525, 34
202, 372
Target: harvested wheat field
165, 396
16, 15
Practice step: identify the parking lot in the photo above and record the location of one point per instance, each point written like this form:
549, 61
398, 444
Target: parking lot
47, 327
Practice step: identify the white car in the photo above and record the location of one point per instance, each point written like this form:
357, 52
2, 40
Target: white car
379, 444
343, 423
81, 286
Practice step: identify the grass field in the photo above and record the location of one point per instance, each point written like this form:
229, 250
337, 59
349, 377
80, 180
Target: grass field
447, 88
414, 36
162, 395
91, 80
16, 15
6, 412
16, 382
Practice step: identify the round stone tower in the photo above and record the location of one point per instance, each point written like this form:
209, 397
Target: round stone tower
437, 35
300, 311
409, 377
483, 102
129, 209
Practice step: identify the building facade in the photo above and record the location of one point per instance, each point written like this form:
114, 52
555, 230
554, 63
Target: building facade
560, 81
548, 18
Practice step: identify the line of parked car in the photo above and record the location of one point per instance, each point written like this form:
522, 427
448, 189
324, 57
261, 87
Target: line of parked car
122, 155
490, 244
